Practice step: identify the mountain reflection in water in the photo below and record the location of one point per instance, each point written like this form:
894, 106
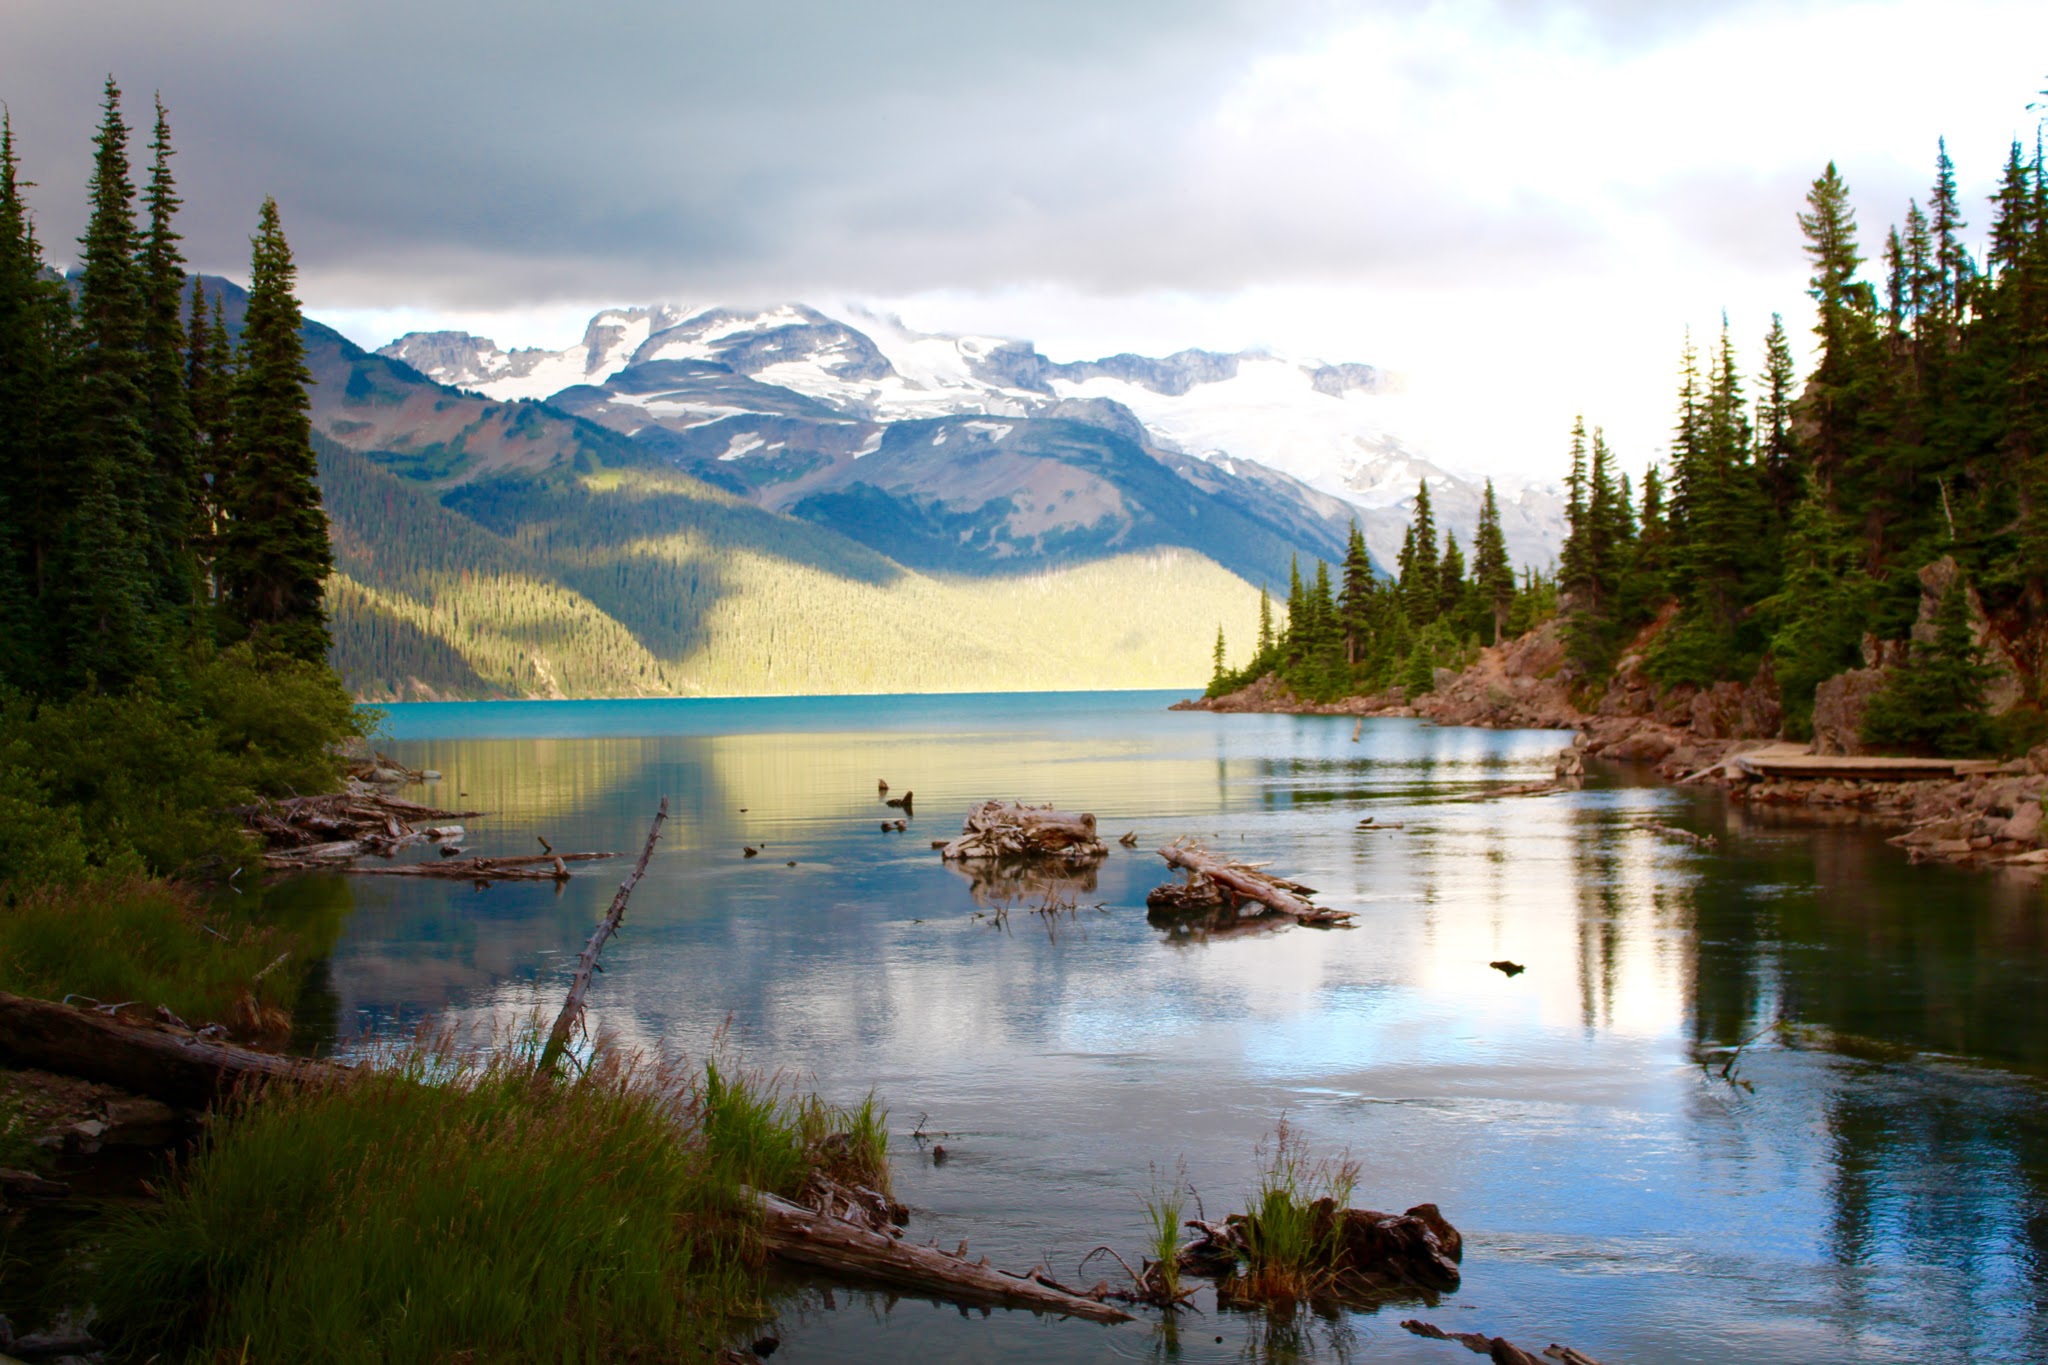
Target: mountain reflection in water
1863, 1183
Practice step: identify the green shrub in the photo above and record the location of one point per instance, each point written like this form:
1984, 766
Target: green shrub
148, 780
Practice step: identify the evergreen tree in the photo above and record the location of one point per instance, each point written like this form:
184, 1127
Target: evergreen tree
209, 386
1450, 580
1818, 616
172, 490
275, 558
1573, 564
1776, 457
1356, 604
1291, 634
1218, 673
107, 629
1418, 563
1934, 702
1838, 392
34, 494
1267, 644
1492, 574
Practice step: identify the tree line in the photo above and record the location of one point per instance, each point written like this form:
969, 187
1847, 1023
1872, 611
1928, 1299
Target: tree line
1792, 520
1361, 631
1789, 524
157, 480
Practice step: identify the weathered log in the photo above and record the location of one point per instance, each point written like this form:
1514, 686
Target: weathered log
532, 867
169, 1064
829, 1243
1249, 884
571, 1017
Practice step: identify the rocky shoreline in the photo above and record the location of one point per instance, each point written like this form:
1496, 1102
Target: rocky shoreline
1993, 815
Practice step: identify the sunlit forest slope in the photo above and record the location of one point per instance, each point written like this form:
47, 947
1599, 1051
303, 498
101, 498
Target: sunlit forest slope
640, 581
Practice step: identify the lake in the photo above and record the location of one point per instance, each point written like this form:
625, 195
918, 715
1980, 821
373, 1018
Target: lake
1865, 1182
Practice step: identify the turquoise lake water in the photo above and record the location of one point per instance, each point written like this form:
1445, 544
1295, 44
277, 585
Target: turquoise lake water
1866, 1184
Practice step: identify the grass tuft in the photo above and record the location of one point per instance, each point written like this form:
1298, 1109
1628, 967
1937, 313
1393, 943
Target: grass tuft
1166, 1209
1293, 1244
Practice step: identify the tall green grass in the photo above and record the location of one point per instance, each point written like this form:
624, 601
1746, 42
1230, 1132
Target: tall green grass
116, 939
437, 1210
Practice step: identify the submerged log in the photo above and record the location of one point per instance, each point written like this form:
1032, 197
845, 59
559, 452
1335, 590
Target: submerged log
532, 867
848, 1248
1499, 1349
1011, 829
1241, 882
174, 1065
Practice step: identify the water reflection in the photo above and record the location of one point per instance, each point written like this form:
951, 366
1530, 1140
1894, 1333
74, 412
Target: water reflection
1864, 1185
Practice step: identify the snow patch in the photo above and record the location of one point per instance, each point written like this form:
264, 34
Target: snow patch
741, 443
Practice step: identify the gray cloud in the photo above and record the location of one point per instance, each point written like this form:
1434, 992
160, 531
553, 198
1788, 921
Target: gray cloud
472, 154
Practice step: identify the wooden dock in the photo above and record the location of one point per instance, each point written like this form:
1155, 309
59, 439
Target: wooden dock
1792, 761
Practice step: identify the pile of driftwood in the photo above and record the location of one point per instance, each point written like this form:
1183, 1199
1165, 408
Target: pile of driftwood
1220, 889
332, 829
1011, 829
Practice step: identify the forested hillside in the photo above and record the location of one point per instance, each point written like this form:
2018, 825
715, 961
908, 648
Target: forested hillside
639, 581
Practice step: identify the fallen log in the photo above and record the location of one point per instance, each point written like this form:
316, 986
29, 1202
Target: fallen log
830, 1243
174, 1065
571, 1017
1245, 882
531, 867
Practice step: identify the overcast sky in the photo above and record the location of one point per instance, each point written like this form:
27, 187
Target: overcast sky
1520, 207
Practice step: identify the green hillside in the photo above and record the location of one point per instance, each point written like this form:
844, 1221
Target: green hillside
640, 581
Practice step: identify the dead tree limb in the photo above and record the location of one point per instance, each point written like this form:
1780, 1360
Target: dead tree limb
174, 1065
571, 1017
836, 1244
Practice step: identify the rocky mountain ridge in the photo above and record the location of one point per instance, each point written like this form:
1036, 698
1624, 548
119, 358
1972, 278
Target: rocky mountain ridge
784, 392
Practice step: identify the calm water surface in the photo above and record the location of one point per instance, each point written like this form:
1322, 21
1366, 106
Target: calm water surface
1865, 1185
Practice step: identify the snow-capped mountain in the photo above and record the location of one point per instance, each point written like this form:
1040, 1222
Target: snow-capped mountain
800, 410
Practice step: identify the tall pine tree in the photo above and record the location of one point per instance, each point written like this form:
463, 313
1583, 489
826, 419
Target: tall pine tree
275, 557
107, 630
173, 506
1492, 574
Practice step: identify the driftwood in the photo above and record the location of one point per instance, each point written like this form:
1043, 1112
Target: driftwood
332, 828
849, 1248
1010, 829
1214, 880
571, 1017
1499, 1349
174, 1065
529, 867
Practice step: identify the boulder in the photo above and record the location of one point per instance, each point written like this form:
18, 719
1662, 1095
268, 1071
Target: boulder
1839, 704
2005, 689
2025, 825
1649, 743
